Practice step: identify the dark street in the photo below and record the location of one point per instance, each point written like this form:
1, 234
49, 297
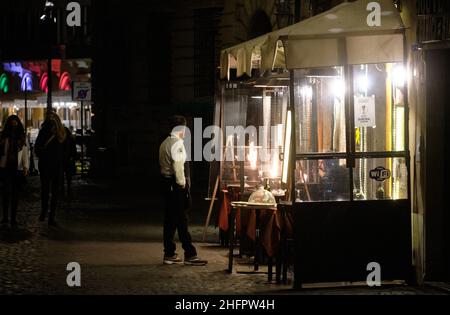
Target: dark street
119, 248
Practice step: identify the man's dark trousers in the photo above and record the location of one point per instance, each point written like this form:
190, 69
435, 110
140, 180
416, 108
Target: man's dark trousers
176, 219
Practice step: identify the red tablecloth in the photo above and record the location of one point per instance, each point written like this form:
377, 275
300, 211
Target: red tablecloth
225, 211
270, 223
270, 230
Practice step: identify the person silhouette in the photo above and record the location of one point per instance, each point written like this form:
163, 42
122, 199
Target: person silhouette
14, 166
49, 149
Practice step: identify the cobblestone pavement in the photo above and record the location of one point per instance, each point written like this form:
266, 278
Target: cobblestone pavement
120, 252
21, 256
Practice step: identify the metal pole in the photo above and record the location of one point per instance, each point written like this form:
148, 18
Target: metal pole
26, 106
82, 139
298, 279
407, 112
293, 152
350, 127
50, 84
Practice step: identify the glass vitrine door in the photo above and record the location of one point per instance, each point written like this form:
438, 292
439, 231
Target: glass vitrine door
351, 200
254, 115
351, 133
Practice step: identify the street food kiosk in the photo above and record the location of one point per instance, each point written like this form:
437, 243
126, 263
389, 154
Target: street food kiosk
331, 93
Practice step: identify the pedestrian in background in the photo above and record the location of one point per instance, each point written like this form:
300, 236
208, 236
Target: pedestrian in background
14, 166
49, 149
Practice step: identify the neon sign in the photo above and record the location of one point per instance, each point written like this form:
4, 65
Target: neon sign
4, 83
65, 82
43, 84
27, 82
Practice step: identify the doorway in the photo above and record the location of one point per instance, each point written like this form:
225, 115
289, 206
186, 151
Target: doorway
437, 216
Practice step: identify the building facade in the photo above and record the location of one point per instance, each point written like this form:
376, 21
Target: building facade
428, 33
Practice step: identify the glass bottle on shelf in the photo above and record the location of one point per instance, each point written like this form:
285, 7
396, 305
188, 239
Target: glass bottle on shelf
298, 198
381, 194
267, 185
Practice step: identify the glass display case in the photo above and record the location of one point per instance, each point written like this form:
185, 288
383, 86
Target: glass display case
254, 115
350, 134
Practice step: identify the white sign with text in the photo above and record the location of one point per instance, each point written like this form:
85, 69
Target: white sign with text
365, 114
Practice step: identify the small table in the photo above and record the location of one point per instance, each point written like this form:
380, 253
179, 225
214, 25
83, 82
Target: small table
246, 206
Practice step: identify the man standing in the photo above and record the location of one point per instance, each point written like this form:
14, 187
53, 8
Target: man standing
172, 158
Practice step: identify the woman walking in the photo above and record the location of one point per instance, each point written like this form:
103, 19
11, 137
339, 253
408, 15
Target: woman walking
49, 149
14, 165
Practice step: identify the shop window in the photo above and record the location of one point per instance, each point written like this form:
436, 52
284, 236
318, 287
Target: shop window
351, 135
254, 158
379, 108
322, 180
380, 179
320, 111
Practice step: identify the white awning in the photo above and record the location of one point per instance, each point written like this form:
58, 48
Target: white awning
337, 37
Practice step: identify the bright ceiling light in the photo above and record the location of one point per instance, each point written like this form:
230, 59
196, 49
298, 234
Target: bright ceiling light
399, 76
363, 83
338, 87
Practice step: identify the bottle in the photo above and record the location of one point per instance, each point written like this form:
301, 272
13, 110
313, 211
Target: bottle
381, 195
267, 185
298, 197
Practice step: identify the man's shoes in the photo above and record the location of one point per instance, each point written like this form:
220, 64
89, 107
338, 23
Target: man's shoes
4, 221
172, 260
195, 261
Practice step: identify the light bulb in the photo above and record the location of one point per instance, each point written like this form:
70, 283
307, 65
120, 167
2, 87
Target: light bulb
363, 83
338, 87
399, 76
